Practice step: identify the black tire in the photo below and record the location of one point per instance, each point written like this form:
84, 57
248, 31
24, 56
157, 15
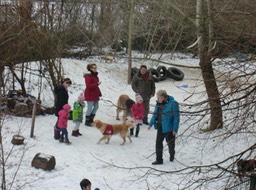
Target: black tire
175, 73
155, 73
163, 72
134, 71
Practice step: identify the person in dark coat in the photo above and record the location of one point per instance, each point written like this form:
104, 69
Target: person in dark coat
165, 119
61, 98
92, 93
143, 83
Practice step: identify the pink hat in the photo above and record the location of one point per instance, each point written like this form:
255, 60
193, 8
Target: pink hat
66, 107
81, 97
138, 98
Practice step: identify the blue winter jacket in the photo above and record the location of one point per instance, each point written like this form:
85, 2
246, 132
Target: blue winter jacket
170, 116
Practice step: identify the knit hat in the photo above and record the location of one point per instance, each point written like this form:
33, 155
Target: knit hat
81, 97
138, 98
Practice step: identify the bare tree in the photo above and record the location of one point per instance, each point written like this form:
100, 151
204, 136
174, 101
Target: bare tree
204, 50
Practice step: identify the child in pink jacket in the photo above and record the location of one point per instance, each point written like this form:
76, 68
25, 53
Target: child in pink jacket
137, 111
63, 123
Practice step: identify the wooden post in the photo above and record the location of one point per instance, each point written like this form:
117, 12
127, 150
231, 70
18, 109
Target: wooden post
33, 119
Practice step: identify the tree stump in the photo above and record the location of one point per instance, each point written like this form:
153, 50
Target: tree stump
43, 161
18, 139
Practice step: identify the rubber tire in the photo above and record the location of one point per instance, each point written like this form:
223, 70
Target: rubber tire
163, 72
175, 73
134, 71
156, 74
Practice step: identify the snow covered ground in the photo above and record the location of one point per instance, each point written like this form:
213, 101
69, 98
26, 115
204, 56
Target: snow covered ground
112, 167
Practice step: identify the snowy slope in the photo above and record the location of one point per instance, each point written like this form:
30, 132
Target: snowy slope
111, 167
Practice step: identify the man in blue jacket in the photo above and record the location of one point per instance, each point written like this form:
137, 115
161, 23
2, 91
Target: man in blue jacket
165, 119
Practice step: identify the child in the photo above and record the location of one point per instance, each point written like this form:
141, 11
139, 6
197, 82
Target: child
85, 184
78, 114
137, 111
63, 123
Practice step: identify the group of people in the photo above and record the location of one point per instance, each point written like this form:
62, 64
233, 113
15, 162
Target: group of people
165, 117
91, 95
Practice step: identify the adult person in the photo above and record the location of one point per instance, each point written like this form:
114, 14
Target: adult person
165, 119
143, 83
92, 93
61, 98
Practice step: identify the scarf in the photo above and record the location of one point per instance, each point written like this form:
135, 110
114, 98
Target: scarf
94, 73
145, 76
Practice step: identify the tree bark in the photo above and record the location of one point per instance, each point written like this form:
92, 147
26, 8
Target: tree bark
216, 120
91, 30
20, 80
1, 79
130, 42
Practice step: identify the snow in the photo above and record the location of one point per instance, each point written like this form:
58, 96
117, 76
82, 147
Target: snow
111, 166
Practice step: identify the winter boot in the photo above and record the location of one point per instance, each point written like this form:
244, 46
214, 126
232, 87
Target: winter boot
80, 134
67, 141
131, 132
88, 121
171, 158
137, 130
157, 162
75, 133
92, 117
145, 121
56, 132
61, 140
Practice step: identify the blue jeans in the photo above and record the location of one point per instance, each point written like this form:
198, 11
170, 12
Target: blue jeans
92, 107
64, 133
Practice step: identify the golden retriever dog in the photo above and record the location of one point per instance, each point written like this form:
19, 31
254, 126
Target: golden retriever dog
113, 129
124, 104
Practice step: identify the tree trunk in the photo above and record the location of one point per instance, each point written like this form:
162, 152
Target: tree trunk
130, 42
20, 80
212, 92
2, 85
204, 48
91, 31
2, 156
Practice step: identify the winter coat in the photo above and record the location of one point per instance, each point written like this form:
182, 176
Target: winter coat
92, 91
63, 116
146, 88
170, 116
61, 98
138, 111
78, 111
